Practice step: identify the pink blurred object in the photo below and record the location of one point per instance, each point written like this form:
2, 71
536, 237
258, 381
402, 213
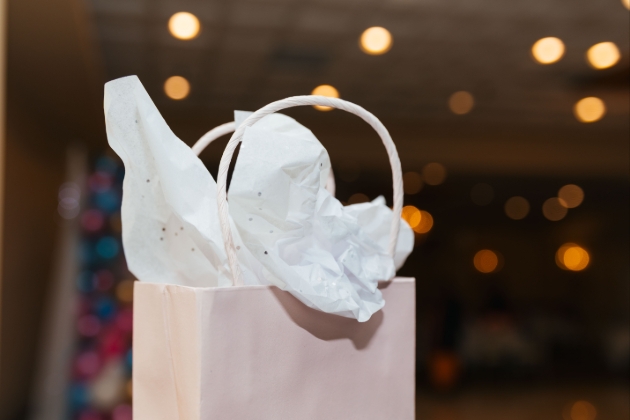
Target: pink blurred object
92, 220
256, 352
89, 325
87, 364
90, 415
104, 280
113, 343
100, 181
122, 412
124, 320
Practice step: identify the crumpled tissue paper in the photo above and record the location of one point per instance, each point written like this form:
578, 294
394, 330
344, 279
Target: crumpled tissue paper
289, 231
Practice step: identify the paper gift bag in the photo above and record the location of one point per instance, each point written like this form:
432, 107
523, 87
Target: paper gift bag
257, 352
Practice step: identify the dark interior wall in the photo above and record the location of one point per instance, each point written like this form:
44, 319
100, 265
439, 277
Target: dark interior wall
54, 99
33, 177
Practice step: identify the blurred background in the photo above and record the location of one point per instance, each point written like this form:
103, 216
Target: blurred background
512, 120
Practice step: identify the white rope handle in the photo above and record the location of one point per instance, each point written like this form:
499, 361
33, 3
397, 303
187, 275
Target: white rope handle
212, 135
228, 128
368, 117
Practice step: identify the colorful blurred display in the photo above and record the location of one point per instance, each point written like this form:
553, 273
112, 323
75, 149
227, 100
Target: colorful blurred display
100, 380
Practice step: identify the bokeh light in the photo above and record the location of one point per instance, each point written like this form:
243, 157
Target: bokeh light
92, 220
100, 182
375, 41
412, 183
486, 261
434, 173
68, 208
425, 224
122, 412
461, 102
603, 55
589, 110
482, 194
548, 50
571, 196
419, 220
184, 25
572, 257
88, 325
553, 209
626, 3
358, 198
69, 200
325, 90
124, 291
115, 222
87, 364
107, 247
177, 87
444, 369
104, 280
517, 208
411, 215
582, 410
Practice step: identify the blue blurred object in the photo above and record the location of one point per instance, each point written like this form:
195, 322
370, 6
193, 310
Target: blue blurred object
108, 201
105, 308
107, 247
86, 281
79, 395
129, 360
106, 164
86, 252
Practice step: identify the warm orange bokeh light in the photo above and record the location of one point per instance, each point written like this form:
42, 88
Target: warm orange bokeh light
603, 55
375, 41
444, 369
589, 110
426, 222
419, 220
411, 215
176, 87
461, 102
571, 196
124, 291
486, 261
184, 26
554, 209
434, 173
517, 208
548, 50
325, 90
582, 410
572, 257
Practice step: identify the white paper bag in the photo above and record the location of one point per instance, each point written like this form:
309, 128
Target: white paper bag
254, 351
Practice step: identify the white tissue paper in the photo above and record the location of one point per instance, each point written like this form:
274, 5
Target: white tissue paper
170, 219
289, 231
329, 256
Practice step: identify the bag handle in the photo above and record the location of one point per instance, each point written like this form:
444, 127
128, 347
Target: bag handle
228, 128
212, 135
236, 138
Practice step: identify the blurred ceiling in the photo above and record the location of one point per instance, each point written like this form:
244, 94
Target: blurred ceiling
252, 52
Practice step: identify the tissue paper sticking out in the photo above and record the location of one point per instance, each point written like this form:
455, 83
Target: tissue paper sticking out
289, 231
329, 256
171, 231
